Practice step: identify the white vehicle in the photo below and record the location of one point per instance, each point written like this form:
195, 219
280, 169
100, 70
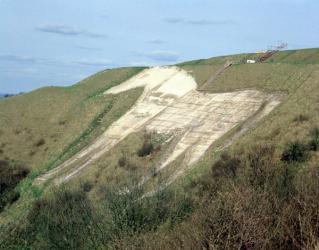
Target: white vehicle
251, 61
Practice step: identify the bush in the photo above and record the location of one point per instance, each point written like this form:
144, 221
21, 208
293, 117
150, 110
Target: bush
223, 170
149, 145
68, 221
132, 214
62, 222
126, 163
260, 162
314, 141
10, 176
122, 161
146, 149
265, 172
294, 152
301, 118
87, 186
62, 122
40, 142
226, 166
248, 213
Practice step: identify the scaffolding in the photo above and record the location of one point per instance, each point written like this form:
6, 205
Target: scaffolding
270, 52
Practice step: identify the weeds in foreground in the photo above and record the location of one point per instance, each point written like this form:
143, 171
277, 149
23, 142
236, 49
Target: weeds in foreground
295, 152
313, 144
10, 176
67, 220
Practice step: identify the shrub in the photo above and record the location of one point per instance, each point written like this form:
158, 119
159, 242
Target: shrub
40, 142
257, 162
301, 118
122, 161
61, 222
146, 149
87, 186
241, 216
32, 153
66, 220
150, 144
62, 122
131, 166
10, 176
132, 214
226, 166
222, 171
314, 141
294, 152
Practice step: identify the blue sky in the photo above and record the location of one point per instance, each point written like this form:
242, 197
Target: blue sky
59, 42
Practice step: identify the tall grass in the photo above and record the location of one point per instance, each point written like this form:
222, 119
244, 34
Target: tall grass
67, 220
267, 204
10, 175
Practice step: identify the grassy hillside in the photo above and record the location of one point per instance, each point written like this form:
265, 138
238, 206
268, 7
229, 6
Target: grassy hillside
260, 193
39, 126
41, 129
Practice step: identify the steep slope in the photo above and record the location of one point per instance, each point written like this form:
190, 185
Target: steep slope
43, 125
260, 192
43, 128
149, 105
169, 103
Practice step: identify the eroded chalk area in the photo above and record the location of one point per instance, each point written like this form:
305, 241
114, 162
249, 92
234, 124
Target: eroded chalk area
170, 104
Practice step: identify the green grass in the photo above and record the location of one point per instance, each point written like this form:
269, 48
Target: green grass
238, 204
107, 169
298, 57
66, 119
297, 81
67, 219
54, 114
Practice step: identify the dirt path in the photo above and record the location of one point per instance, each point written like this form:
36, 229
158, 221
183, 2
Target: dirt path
211, 79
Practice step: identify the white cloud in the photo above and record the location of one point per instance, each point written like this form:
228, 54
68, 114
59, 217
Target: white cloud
140, 63
65, 30
162, 56
15, 58
198, 22
156, 41
94, 63
56, 62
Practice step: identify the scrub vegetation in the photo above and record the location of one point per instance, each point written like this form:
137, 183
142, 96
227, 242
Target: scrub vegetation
10, 175
262, 192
